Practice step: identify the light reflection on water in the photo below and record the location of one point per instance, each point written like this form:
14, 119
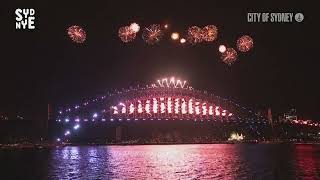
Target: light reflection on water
307, 162
218, 161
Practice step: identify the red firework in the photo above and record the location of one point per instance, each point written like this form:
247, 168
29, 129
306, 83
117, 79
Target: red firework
76, 34
210, 33
152, 34
244, 43
126, 34
195, 35
229, 56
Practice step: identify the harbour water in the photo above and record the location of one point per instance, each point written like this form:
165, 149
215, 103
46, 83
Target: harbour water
195, 161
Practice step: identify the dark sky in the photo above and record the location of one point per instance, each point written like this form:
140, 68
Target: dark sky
43, 66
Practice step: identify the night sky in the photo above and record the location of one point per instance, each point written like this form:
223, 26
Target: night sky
44, 66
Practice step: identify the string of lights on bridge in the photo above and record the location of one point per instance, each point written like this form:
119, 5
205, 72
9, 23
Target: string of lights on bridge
76, 126
154, 33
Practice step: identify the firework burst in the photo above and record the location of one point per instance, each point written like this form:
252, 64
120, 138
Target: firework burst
182, 40
244, 43
76, 34
175, 36
195, 35
126, 34
210, 33
135, 27
152, 34
229, 56
222, 48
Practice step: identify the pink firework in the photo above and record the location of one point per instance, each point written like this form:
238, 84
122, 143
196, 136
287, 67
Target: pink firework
126, 34
229, 56
152, 34
195, 35
244, 43
210, 33
76, 34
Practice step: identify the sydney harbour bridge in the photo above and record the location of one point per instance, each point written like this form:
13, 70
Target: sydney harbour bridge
167, 111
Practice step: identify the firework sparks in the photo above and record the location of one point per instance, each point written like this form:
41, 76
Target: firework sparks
229, 56
126, 34
182, 40
210, 33
222, 48
76, 34
152, 34
135, 27
244, 43
175, 36
195, 35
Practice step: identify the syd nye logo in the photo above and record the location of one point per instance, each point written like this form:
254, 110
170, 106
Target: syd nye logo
25, 18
